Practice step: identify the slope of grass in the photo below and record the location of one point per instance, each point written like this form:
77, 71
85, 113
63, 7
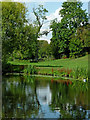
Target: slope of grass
74, 68
81, 62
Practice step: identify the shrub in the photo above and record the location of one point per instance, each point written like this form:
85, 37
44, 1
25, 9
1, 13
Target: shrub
80, 73
30, 70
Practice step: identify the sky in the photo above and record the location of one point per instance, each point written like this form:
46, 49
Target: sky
53, 10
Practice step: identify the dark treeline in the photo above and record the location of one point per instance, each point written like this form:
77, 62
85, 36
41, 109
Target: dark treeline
70, 37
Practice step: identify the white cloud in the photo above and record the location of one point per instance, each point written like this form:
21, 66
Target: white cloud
54, 15
47, 38
46, 25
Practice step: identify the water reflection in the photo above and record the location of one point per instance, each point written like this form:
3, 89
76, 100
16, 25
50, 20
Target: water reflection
44, 94
30, 97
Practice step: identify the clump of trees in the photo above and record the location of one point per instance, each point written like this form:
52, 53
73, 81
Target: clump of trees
19, 37
44, 51
71, 35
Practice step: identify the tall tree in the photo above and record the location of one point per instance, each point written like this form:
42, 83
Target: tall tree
13, 21
72, 17
80, 42
40, 14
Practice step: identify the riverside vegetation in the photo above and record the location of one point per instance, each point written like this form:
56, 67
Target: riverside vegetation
73, 68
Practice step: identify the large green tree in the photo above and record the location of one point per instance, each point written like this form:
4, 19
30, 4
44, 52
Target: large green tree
13, 21
27, 48
73, 15
60, 39
72, 18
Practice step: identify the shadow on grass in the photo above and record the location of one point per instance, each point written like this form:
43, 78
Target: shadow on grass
48, 66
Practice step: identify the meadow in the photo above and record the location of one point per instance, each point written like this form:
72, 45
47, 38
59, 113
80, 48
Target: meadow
67, 63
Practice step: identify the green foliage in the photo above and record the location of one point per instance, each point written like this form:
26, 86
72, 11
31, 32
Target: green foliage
80, 73
75, 47
30, 70
73, 15
40, 14
83, 33
28, 47
13, 20
19, 40
44, 50
72, 18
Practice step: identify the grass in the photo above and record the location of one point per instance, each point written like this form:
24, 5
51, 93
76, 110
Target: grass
61, 67
81, 62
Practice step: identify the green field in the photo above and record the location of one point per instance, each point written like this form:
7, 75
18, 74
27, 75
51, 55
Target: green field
81, 62
74, 68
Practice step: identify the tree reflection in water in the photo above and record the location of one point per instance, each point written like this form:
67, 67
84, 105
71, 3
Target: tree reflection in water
31, 97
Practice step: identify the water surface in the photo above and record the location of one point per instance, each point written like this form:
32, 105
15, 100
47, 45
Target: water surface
38, 97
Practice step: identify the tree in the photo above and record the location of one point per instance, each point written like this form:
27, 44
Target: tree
72, 18
60, 40
79, 42
44, 49
54, 40
73, 15
75, 46
27, 49
83, 33
13, 22
40, 14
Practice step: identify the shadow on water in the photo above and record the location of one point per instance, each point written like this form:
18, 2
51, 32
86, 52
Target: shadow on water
35, 97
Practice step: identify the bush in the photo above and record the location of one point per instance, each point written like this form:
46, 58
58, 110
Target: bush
30, 70
80, 73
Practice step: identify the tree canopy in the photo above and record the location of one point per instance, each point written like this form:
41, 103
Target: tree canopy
18, 36
13, 22
73, 17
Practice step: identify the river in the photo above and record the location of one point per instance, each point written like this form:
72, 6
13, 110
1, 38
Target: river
40, 97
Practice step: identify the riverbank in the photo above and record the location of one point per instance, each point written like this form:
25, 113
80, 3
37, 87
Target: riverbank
47, 77
72, 68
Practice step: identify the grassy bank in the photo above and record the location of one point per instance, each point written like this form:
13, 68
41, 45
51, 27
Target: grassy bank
67, 63
74, 68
